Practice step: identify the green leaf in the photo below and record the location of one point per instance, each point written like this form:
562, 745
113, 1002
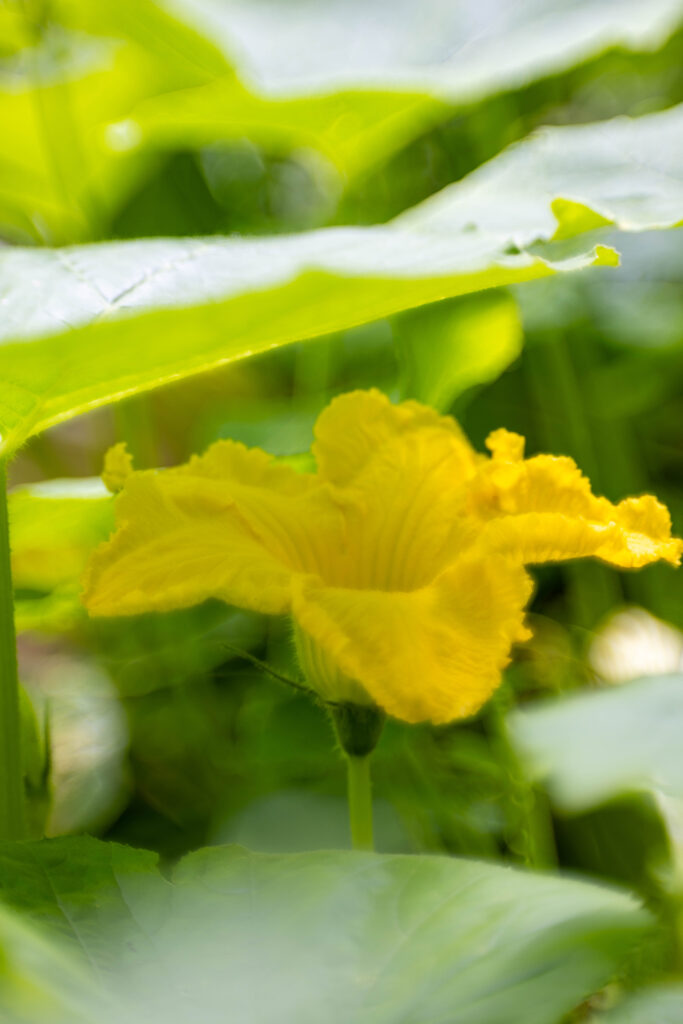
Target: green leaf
562, 182
461, 51
352, 128
449, 347
40, 983
592, 747
60, 174
112, 355
358, 84
150, 311
55, 527
107, 84
661, 1004
155, 27
325, 936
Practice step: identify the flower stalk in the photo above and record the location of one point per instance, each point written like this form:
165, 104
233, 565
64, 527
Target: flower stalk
358, 728
360, 802
12, 812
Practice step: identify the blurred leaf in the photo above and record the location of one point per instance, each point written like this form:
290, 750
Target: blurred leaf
40, 983
148, 312
292, 821
449, 347
561, 182
351, 128
591, 747
661, 1004
84, 67
358, 81
639, 306
461, 51
14, 34
334, 936
155, 27
625, 842
83, 890
91, 90
55, 526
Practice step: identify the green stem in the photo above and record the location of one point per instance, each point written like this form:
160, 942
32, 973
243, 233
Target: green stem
360, 802
12, 821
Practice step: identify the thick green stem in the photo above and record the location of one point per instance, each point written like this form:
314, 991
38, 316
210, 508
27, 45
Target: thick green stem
12, 820
360, 802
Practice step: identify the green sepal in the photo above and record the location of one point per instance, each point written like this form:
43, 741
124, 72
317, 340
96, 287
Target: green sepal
358, 727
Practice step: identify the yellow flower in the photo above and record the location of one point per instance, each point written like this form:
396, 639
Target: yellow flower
401, 561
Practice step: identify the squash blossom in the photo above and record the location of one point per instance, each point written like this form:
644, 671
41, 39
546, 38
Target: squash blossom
401, 561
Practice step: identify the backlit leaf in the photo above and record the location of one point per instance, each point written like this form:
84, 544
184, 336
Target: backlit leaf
592, 747
147, 312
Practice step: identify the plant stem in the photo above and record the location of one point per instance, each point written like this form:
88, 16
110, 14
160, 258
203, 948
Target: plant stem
12, 821
360, 802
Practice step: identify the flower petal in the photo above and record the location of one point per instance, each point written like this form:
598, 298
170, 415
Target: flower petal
118, 465
544, 537
398, 470
544, 510
643, 535
232, 524
360, 426
433, 654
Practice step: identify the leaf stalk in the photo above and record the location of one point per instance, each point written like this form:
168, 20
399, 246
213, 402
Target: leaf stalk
12, 810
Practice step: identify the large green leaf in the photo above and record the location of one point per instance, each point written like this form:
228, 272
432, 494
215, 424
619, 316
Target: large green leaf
592, 747
358, 80
461, 51
152, 311
39, 982
326, 936
107, 83
135, 333
564, 181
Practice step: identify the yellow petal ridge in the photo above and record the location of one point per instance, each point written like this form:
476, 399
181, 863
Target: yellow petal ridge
188, 534
543, 508
433, 654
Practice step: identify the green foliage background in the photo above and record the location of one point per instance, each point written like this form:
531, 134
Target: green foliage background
237, 200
